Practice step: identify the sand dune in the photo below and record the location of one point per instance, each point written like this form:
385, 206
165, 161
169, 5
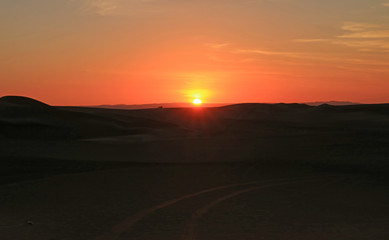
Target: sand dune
25, 118
22, 102
354, 134
252, 171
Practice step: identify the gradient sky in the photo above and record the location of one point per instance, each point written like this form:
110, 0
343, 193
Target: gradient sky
85, 52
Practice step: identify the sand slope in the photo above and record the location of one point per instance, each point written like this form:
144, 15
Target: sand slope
355, 134
244, 171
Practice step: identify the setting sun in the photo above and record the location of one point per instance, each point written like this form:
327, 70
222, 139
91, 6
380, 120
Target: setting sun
197, 101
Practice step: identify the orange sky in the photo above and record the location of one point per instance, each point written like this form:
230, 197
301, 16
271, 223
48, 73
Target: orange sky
86, 52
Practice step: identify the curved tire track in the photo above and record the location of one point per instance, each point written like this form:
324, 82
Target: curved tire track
128, 223
190, 232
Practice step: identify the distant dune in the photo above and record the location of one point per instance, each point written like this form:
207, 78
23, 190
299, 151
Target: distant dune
184, 105
19, 101
347, 134
153, 173
26, 118
335, 103
158, 105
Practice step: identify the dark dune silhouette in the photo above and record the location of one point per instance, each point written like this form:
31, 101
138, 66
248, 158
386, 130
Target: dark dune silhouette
26, 118
270, 171
335, 103
239, 132
184, 105
19, 101
157, 105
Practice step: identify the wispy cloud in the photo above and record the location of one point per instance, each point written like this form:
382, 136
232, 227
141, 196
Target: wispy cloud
364, 45
364, 30
135, 7
385, 4
117, 7
217, 45
367, 34
265, 52
99, 7
311, 40
104, 7
357, 26
361, 36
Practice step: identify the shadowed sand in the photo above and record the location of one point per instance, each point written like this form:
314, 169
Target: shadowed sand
244, 171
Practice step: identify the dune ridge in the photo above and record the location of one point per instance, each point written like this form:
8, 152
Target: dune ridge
356, 135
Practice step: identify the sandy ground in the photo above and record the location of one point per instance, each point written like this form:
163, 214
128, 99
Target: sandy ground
203, 201
240, 172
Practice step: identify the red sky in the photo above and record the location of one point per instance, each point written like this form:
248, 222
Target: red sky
88, 52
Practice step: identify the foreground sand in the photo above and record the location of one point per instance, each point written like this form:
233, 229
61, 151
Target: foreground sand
204, 201
247, 171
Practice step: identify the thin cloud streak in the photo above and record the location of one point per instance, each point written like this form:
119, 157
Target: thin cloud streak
134, 7
264, 52
117, 7
313, 40
361, 45
356, 26
101, 7
327, 58
369, 34
217, 45
359, 36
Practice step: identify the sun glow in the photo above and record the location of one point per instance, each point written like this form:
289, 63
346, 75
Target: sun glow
197, 101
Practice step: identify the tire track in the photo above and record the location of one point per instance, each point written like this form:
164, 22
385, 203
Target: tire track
127, 224
190, 231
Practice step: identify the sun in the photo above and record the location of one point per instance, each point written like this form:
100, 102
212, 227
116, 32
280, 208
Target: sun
197, 101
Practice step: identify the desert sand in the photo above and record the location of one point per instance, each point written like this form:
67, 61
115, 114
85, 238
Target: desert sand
243, 171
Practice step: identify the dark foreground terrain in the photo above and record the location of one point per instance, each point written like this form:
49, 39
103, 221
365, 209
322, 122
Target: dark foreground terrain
246, 171
201, 201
